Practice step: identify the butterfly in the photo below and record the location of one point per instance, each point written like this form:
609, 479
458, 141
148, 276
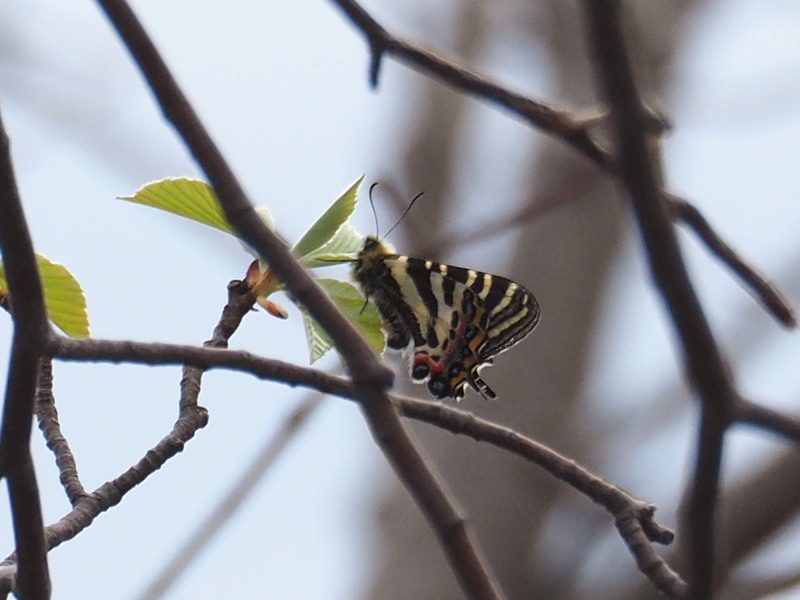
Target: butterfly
457, 319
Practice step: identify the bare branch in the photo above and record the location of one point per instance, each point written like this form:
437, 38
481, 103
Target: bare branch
621, 505
240, 302
559, 123
634, 518
47, 416
702, 359
767, 294
371, 376
30, 333
750, 413
631, 527
87, 507
575, 132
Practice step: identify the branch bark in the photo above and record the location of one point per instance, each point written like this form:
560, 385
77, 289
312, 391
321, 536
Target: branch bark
371, 377
702, 358
30, 332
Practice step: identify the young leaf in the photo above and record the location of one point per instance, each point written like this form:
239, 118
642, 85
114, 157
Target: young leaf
190, 198
342, 247
329, 223
364, 315
318, 341
63, 296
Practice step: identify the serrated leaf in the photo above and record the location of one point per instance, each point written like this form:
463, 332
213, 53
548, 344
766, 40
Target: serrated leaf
362, 313
63, 297
318, 341
190, 198
342, 247
330, 222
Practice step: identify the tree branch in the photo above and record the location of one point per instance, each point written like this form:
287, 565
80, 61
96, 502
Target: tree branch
621, 505
703, 362
767, 294
47, 416
30, 332
561, 124
750, 413
371, 376
575, 132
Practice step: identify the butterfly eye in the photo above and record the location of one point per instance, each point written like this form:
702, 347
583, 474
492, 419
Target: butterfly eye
470, 333
420, 371
439, 387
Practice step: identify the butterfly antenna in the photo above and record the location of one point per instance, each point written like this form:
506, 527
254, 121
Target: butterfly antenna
405, 212
372, 204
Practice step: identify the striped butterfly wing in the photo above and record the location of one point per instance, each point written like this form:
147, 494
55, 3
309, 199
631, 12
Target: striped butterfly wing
457, 319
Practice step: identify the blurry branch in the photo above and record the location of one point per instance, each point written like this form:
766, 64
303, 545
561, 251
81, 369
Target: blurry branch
750, 413
633, 517
30, 333
574, 131
702, 359
773, 301
371, 377
47, 416
232, 501
561, 124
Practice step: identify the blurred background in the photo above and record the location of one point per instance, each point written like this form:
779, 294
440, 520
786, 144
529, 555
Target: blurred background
283, 89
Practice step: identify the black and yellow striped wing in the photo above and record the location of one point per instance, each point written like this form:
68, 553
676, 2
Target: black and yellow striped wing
457, 319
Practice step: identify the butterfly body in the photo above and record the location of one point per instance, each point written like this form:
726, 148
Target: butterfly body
457, 319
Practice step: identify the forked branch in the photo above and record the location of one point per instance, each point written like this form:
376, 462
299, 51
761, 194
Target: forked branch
371, 377
620, 505
27, 346
562, 125
703, 361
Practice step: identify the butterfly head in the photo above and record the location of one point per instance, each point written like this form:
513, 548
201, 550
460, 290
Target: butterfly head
374, 246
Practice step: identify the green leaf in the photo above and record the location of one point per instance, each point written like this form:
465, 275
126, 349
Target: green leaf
341, 248
318, 341
63, 297
190, 198
330, 222
352, 302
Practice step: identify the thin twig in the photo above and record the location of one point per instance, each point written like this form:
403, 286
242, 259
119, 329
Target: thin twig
191, 418
767, 294
30, 334
47, 416
616, 501
559, 123
703, 362
576, 132
634, 518
630, 527
371, 376
240, 302
750, 413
